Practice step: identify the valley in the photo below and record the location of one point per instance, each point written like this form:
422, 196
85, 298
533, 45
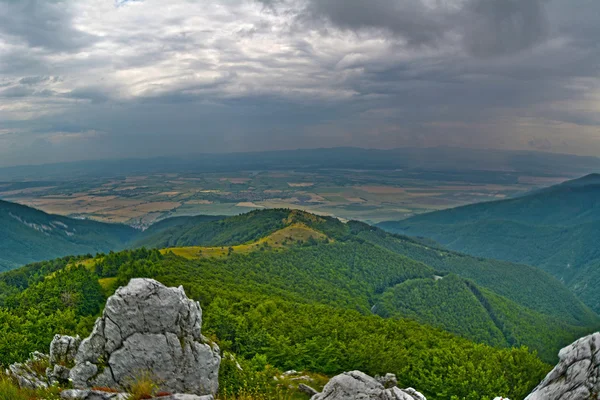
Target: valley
368, 195
348, 183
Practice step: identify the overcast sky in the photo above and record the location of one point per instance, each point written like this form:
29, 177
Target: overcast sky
104, 78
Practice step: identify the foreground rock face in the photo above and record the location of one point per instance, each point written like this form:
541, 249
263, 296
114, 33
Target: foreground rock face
148, 329
577, 374
87, 394
356, 385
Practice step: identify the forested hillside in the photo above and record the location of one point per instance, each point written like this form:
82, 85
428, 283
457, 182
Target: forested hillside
555, 229
303, 257
28, 235
265, 322
364, 267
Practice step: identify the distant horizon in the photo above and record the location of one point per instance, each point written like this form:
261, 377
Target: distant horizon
298, 149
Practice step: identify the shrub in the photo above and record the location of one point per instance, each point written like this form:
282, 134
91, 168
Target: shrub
142, 386
9, 391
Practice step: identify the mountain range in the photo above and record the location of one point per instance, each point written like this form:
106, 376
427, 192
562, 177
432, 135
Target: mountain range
555, 229
477, 164
28, 235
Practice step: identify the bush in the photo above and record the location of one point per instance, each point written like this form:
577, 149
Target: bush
9, 391
143, 386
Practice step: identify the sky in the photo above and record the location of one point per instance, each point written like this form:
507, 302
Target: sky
90, 79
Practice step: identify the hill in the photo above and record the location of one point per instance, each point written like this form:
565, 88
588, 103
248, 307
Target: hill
555, 229
28, 235
302, 257
262, 327
367, 269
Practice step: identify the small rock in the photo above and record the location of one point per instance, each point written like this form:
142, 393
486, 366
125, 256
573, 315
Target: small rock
307, 389
63, 349
26, 373
388, 381
58, 375
87, 394
302, 378
357, 385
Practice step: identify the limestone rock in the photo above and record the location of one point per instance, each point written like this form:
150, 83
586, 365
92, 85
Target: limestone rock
58, 374
27, 374
307, 389
148, 329
577, 374
75, 394
356, 385
388, 380
63, 350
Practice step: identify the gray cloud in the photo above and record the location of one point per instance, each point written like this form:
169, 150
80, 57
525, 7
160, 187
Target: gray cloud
496, 27
409, 19
42, 23
100, 79
488, 27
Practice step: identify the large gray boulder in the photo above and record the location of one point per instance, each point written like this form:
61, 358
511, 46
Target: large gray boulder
577, 374
148, 329
356, 385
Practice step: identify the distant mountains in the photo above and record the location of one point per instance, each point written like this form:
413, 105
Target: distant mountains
28, 235
556, 229
472, 163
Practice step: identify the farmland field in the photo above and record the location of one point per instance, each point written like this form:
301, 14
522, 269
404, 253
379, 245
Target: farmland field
370, 196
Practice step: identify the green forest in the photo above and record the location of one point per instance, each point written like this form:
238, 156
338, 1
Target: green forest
555, 229
261, 321
454, 326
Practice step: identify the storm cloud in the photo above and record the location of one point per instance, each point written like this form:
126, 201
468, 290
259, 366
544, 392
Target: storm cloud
97, 78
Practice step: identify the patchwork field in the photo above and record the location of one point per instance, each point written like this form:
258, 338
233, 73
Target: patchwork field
370, 196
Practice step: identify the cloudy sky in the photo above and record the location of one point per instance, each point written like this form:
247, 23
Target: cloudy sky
104, 78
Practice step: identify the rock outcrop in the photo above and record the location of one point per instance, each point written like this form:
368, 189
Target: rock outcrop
75, 394
42, 370
148, 329
28, 374
87, 394
356, 385
63, 349
577, 374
